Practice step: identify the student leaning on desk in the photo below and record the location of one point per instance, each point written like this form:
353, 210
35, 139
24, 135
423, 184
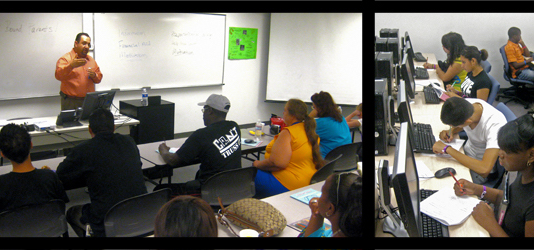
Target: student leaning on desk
341, 204
481, 123
516, 201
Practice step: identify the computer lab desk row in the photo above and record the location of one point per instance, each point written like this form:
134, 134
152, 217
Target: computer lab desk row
430, 114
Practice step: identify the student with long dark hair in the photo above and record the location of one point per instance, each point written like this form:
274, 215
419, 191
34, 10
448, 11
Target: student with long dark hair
450, 71
332, 128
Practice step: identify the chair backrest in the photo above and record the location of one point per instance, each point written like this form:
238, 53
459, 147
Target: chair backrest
486, 66
325, 171
349, 159
510, 116
42, 220
231, 186
135, 216
507, 75
495, 87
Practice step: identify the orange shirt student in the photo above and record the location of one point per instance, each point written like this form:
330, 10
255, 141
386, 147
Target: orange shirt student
78, 73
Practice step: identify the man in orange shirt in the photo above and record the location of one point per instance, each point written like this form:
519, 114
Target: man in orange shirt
518, 55
78, 73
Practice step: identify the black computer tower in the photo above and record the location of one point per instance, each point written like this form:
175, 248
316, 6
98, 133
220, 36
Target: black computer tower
384, 69
394, 46
381, 117
384, 32
381, 44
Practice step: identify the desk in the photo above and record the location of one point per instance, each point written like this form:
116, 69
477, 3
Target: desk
148, 150
430, 114
48, 141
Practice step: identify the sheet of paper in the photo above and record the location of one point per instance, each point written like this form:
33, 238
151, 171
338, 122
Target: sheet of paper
171, 150
447, 208
423, 171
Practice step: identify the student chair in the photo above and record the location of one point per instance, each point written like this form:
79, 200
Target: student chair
486, 66
231, 186
519, 91
349, 159
510, 116
325, 171
42, 220
495, 87
135, 216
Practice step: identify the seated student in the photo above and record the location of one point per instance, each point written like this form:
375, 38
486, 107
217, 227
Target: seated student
354, 123
186, 216
25, 185
518, 56
331, 127
516, 142
450, 72
477, 83
218, 146
293, 156
481, 122
109, 164
341, 204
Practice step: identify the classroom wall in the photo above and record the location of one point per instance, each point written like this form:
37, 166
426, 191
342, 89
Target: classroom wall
485, 30
245, 86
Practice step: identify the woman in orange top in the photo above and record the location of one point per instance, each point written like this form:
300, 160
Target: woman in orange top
293, 156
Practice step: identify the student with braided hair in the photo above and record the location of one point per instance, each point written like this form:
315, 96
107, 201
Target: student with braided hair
293, 156
341, 204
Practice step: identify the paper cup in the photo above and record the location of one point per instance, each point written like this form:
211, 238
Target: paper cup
248, 233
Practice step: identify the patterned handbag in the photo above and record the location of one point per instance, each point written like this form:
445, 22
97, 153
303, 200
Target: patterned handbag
254, 214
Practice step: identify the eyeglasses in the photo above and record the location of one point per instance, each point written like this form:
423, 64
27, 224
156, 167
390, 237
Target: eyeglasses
204, 109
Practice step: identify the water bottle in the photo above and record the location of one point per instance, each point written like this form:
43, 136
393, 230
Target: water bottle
144, 97
258, 130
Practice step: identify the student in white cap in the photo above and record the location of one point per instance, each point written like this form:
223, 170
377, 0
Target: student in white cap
217, 146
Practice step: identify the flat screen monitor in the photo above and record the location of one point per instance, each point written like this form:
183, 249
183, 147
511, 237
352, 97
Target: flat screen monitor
407, 71
405, 182
408, 45
404, 110
95, 100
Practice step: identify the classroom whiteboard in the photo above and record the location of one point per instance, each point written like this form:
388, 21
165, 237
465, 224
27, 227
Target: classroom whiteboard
313, 52
30, 45
159, 50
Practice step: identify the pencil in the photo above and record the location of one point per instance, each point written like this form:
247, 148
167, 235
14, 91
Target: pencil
460, 185
450, 132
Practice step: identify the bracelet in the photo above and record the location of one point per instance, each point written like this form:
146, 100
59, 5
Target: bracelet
483, 193
434, 66
445, 149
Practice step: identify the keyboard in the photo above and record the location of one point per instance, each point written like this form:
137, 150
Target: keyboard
418, 57
421, 73
423, 138
431, 227
431, 97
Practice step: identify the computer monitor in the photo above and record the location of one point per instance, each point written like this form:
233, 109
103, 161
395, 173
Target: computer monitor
403, 105
407, 74
408, 45
405, 182
95, 100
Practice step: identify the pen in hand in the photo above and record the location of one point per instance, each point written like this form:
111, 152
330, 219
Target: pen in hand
457, 182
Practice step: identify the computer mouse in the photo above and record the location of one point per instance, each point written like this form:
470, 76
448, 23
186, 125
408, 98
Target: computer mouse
444, 172
249, 141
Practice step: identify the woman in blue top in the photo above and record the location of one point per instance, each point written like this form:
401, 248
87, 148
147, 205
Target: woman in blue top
332, 128
341, 204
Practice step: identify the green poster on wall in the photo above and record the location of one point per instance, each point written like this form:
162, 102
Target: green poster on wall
242, 43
